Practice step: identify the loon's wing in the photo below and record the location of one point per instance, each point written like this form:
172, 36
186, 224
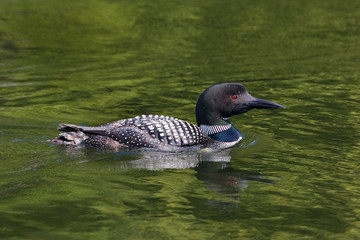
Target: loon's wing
162, 130
100, 130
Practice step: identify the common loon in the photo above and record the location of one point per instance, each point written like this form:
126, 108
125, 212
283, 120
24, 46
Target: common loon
162, 133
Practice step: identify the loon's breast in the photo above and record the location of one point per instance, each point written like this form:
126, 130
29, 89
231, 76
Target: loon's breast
146, 131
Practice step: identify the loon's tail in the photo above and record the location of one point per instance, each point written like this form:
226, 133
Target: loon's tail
70, 135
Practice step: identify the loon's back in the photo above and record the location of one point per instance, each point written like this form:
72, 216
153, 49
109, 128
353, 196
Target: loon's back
146, 131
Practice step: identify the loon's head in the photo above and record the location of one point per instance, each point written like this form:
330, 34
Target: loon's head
221, 101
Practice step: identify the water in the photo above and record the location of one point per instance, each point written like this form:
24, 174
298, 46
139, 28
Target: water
295, 176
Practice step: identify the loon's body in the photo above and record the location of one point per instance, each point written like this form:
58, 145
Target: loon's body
146, 131
214, 130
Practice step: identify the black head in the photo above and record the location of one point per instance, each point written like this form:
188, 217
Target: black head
225, 100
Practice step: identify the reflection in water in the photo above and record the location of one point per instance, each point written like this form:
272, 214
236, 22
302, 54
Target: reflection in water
225, 180
211, 168
162, 160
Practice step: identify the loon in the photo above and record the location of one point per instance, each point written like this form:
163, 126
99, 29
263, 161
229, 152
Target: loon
162, 133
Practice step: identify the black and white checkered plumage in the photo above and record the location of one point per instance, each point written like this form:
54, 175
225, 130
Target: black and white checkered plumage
146, 131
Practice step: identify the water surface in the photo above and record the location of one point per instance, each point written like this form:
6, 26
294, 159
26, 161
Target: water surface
295, 175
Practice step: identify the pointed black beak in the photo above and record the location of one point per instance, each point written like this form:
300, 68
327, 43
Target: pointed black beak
262, 104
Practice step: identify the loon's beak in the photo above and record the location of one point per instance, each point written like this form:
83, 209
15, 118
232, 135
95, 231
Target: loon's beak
262, 104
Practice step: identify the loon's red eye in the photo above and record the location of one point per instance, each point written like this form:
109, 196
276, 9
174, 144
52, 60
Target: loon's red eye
234, 97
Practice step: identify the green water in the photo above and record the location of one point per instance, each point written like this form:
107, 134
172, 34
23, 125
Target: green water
295, 175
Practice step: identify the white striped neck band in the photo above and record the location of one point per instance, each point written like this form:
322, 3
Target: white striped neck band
212, 129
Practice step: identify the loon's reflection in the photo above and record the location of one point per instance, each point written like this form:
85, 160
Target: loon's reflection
163, 160
211, 168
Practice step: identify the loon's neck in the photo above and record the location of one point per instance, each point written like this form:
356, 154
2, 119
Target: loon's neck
230, 135
223, 131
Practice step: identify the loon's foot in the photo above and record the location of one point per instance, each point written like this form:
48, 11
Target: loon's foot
80, 136
70, 135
